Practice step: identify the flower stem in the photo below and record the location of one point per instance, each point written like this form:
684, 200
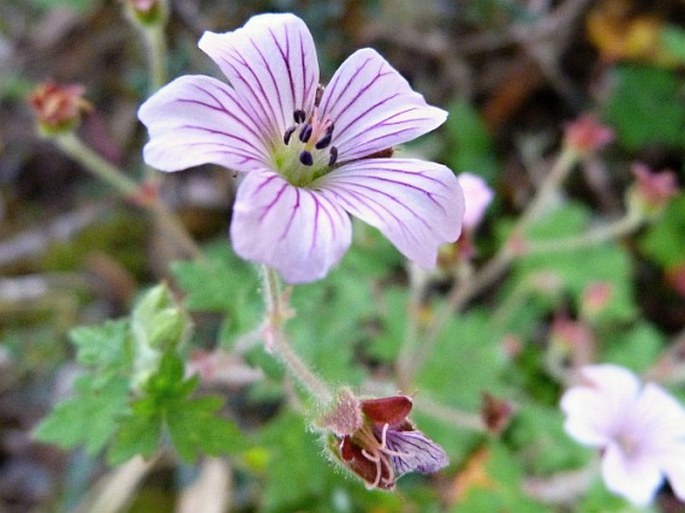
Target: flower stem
624, 226
156, 48
113, 176
96, 165
464, 290
277, 312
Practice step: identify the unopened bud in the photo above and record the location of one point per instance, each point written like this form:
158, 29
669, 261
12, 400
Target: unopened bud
651, 192
147, 12
58, 108
596, 297
496, 413
586, 135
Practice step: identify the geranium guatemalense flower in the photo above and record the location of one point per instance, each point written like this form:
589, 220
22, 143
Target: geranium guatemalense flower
639, 428
374, 439
308, 156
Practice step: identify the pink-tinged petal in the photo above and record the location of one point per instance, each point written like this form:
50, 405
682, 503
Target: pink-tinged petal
657, 419
271, 63
635, 478
199, 120
298, 231
413, 451
417, 205
374, 107
477, 197
586, 419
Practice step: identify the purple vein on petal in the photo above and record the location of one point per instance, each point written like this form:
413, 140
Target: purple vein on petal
293, 212
389, 197
285, 55
331, 93
222, 133
373, 107
281, 110
267, 110
359, 197
220, 107
267, 208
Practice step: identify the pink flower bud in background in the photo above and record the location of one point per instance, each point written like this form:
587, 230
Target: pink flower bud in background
58, 107
477, 197
596, 297
586, 135
652, 191
147, 12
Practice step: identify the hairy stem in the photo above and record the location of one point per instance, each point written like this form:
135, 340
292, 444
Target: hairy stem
277, 312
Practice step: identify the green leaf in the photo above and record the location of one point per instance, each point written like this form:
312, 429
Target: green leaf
194, 426
664, 241
469, 142
501, 489
88, 419
297, 473
673, 39
137, 435
636, 349
222, 283
465, 362
104, 347
537, 432
571, 272
647, 107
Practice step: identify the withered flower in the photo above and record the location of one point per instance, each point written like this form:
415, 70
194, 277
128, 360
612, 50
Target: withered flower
374, 439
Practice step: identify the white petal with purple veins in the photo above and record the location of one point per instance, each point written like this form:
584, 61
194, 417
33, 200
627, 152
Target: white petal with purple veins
271, 63
373, 107
413, 451
198, 120
417, 205
297, 231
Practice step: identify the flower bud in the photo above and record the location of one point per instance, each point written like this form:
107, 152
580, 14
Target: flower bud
496, 413
147, 12
58, 108
586, 135
651, 192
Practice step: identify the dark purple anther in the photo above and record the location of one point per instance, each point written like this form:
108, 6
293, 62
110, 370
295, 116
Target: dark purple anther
333, 155
299, 116
306, 133
306, 158
324, 141
288, 134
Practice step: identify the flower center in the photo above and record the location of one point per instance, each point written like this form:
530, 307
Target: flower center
306, 153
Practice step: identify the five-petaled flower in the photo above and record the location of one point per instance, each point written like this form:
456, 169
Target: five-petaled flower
374, 439
308, 156
640, 430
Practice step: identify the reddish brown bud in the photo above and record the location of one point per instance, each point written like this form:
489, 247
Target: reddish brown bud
496, 413
58, 107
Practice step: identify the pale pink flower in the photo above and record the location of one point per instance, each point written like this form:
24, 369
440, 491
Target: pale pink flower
307, 158
639, 428
477, 197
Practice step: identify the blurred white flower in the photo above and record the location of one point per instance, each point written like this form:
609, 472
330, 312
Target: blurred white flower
639, 428
477, 198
